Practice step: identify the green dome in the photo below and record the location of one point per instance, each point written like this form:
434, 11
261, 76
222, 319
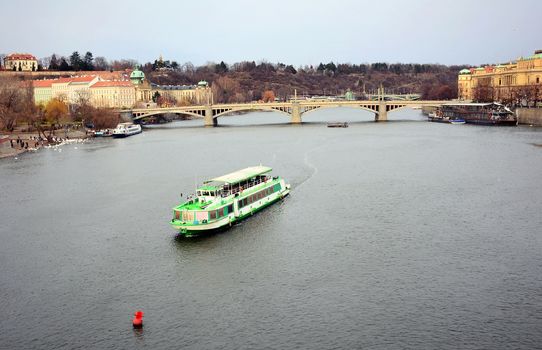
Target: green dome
137, 74
202, 83
464, 71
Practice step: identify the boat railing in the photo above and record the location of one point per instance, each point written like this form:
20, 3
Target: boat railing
250, 184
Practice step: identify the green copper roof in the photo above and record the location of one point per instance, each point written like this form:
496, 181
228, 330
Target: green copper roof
202, 83
464, 71
240, 175
137, 74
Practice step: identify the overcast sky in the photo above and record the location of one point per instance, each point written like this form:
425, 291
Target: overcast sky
294, 32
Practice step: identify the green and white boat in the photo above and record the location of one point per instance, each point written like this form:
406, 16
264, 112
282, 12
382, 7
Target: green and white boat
227, 199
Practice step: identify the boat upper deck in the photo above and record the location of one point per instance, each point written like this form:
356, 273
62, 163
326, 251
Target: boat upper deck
214, 191
240, 175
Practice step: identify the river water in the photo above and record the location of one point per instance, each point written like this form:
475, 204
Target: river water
397, 235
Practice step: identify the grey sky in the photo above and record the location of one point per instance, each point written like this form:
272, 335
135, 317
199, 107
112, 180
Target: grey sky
296, 32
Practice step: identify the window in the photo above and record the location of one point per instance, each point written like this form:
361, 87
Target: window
538, 80
221, 212
212, 215
230, 208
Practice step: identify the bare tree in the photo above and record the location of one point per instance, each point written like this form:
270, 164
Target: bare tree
16, 101
100, 63
81, 109
483, 92
104, 118
123, 64
189, 69
224, 89
44, 62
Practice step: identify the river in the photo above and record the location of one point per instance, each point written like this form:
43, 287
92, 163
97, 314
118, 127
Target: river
397, 235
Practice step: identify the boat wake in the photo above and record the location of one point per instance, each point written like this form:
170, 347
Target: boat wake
311, 166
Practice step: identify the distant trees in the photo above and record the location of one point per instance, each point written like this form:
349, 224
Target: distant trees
64, 66
268, 96
54, 63
16, 101
88, 63
123, 64
483, 92
438, 92
165, 65
100, 63
221, 68
226, 90
75, 61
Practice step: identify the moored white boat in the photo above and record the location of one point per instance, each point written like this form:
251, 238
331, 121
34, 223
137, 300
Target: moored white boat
126, 129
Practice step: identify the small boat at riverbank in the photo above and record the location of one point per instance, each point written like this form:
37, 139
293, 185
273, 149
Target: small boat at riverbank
457, 121
222, 201
435, 117
103, 133
126, 129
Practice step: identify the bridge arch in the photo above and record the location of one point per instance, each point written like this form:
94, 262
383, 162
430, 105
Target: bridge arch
150, 114
372, 109
250, 109
395, 107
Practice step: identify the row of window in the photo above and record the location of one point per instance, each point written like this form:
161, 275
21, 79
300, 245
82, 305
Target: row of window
190, 216
217, 214
258, 195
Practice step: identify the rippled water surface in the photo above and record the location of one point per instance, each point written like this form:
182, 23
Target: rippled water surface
405, 234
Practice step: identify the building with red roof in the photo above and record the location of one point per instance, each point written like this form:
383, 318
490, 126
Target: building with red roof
113, 94
21, 62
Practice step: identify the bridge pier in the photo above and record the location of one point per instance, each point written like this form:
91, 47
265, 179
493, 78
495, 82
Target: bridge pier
382, 115
296, 113
208, 119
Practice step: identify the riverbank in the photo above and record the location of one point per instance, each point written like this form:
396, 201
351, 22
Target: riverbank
18, 142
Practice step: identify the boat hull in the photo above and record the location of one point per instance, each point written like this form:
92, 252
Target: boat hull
124, 135
492, 122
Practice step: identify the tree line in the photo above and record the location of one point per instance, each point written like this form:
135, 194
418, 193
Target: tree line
516, 96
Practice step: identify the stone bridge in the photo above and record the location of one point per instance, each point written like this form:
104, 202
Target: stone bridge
293, 109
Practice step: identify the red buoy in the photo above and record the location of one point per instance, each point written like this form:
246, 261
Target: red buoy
138, 319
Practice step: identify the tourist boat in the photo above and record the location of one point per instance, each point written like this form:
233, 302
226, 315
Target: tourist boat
227, 199
126, 129
337, 125
475, 113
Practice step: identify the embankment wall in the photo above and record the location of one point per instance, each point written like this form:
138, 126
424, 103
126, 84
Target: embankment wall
529, 116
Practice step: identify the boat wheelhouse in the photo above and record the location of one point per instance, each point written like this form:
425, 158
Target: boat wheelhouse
475, 113
225, 200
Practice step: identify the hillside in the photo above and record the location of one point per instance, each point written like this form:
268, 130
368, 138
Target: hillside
246, 81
